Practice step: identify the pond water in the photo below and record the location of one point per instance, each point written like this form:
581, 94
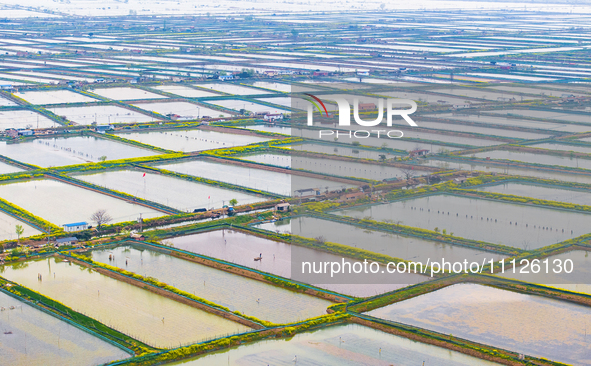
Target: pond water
144, 315
512, 121
64, 203
125, 93
341, 345
24, 119
192, 140
477, 129
397, 246
233, 89
240, 248
474, 218
498, 168
8, 227
238, 293
578, 280
269, 128
563, 147
579, 197
70, 150
526, 157
173, 192
54, 97
237, 105
483, 94
400, 144
101, 114
275, 182
547, 114
7, 168
184, 109
39, 339
343, 151
184, 91
334, 167
527, 324
6, 102
285, 88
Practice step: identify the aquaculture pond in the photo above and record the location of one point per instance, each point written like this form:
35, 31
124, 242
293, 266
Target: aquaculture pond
125, 93
235, 292
563, 147
269, 128
184, 110
551, 193
8, 227
70, 150
532, 325
240, 248
24, 119
139, 313
397, 246
333, 167
477, 129
7, 168
174, 192
65, 203
31, 337
54, 97
101, 114
233, 89
531, 158
512, 170
392, 143
579, 280
343, 151
238, 104
192, 140
547, 114
265, 180
519, 226
184, 91
513, 121
340, 345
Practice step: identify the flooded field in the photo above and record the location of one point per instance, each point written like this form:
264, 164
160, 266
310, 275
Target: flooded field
235, 292
571, 162
62, 202
563, 147
513, 121
126, 93
482, 130
577, 280
237, 105
184, 109
499, 168
70, 150
238, 247
33, 338
101, 114
397, 246
8, 226
177, 193
515, 225
192, 140
579, 197
269, 128
274, 182
343, 151
547, 114
342, 345
24, 119
7, 168
139, 313
527, 324
184, 91
233, 89
327, 166
54, 97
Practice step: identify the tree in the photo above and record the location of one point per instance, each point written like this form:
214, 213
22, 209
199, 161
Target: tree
408, 173
101, 217
233, 202
382, 6
102, 158
19, 231
382, 157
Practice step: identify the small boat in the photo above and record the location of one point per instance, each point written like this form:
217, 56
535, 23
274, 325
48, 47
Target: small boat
9, 332
12, 307
259, 257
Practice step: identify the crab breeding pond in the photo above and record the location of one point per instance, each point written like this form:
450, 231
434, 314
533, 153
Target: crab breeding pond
511, 224
531, 325
31, 337
144, 315
235, 292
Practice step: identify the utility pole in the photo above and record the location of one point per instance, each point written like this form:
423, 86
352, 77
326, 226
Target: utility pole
141, 222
